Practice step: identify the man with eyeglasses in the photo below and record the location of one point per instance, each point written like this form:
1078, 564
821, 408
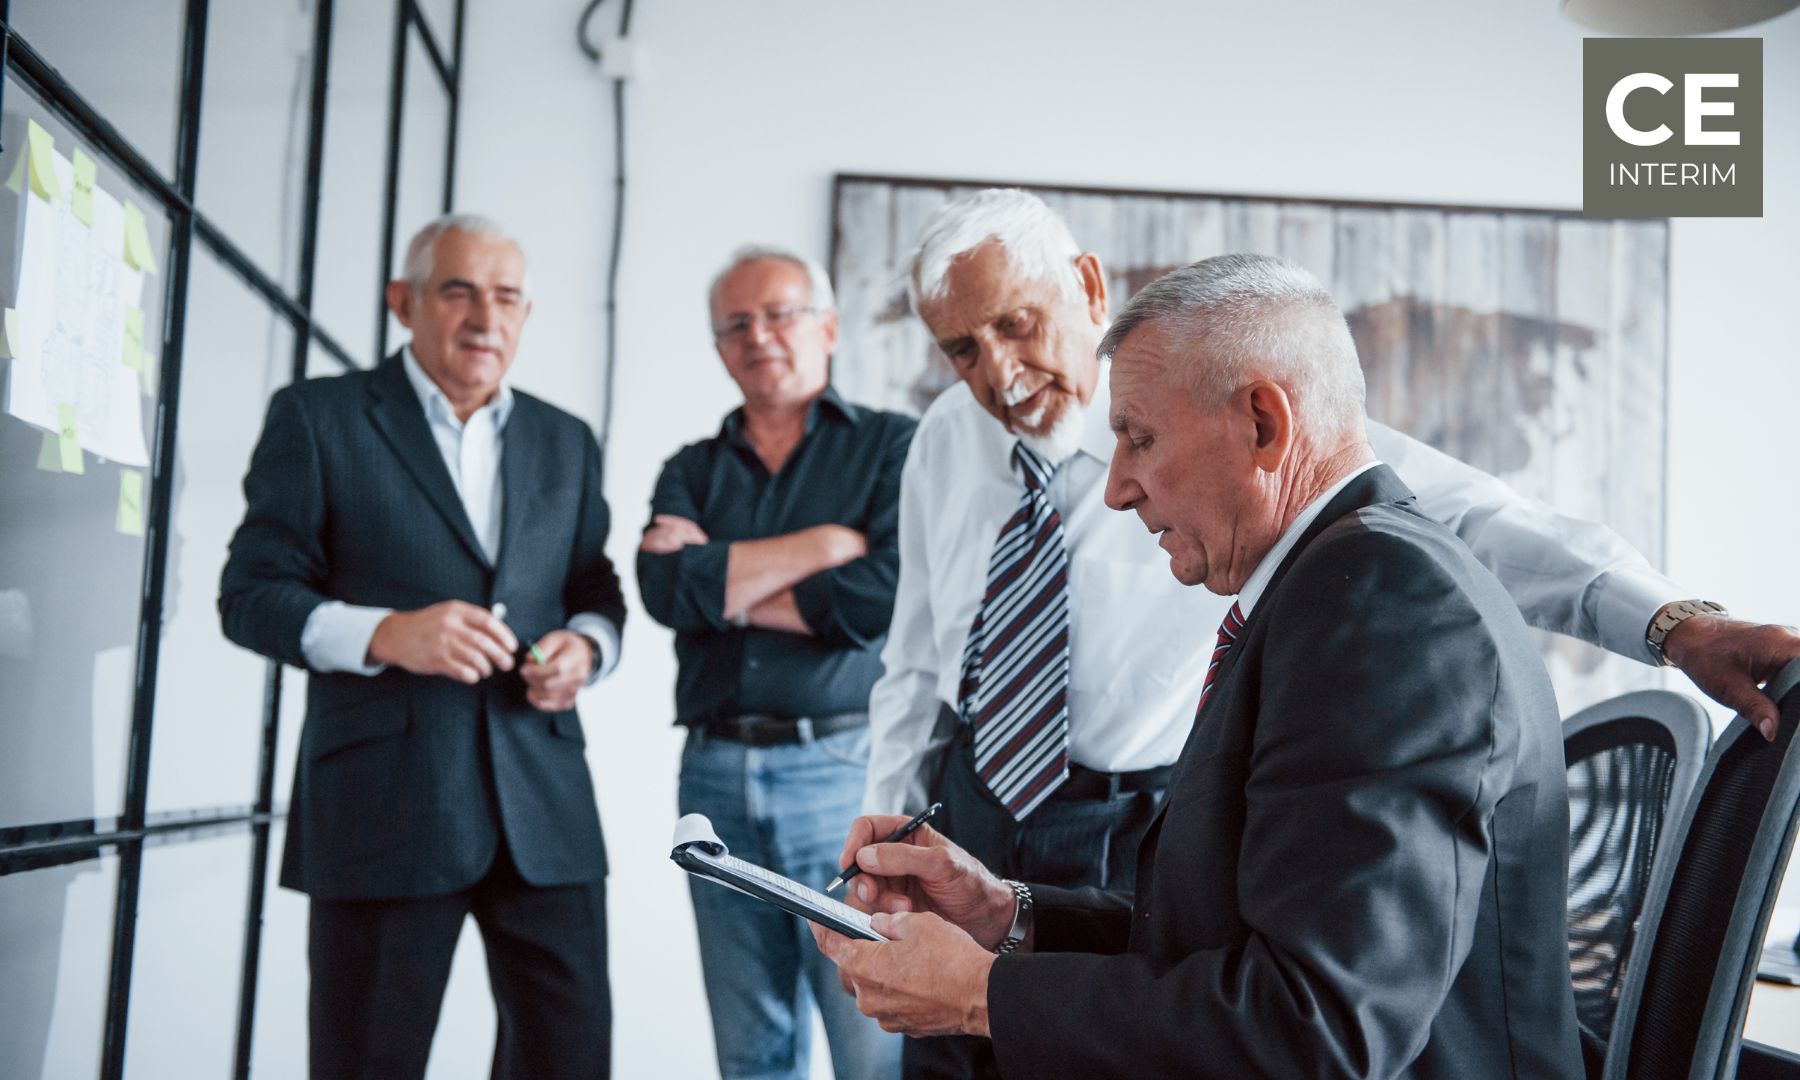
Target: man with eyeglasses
772, 553
429, 544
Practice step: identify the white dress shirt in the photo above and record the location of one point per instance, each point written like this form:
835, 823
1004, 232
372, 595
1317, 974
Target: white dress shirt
1139, 638
336, 635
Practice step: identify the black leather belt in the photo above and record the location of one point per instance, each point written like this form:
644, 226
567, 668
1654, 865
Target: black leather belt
759, 729
1085, 783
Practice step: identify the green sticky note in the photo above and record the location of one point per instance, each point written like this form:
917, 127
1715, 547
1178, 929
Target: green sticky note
68, 442
12, 332
81, 200
134, 338
137, 240
42, 149
50, 454
130, 520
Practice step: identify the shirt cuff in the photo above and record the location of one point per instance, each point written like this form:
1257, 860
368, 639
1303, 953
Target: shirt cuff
1625, 601
605, 634
336, 637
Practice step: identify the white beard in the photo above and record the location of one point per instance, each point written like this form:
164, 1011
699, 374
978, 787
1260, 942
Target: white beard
1062, 440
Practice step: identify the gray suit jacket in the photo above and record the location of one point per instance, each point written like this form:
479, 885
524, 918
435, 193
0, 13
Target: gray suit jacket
1360, 864
407, 784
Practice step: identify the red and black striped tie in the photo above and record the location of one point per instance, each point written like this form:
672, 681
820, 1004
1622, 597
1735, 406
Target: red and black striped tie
1228, 632
1015, 675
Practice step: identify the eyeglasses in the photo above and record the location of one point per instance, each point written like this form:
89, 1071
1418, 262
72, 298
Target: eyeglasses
737, 328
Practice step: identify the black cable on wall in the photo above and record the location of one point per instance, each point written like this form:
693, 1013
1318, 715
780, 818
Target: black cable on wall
593, 53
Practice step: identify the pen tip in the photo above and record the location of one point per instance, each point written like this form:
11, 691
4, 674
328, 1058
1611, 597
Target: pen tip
835, 882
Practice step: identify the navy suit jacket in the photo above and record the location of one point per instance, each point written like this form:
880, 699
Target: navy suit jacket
1360, 862
407, 784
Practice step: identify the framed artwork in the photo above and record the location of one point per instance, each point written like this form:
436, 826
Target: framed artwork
1530, 343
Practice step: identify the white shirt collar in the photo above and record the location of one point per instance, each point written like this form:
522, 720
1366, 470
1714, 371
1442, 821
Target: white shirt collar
437, 403
1259, 578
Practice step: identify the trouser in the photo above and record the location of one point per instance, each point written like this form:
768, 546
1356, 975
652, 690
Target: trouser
379, 968
1070, 840
788, 808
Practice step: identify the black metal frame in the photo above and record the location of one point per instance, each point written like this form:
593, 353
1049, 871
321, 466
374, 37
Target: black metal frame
32, 846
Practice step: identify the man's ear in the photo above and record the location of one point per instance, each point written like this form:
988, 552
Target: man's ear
1092, 276
399, 301
1271, 414
828, 322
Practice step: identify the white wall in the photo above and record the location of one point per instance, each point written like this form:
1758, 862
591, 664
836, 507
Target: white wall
748, 109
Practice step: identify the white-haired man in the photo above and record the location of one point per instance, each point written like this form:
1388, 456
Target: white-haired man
771, 552
1063, 687
1359, 867
408, 528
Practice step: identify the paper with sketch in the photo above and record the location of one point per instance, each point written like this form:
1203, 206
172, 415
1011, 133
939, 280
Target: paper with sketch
75, 292
700, 852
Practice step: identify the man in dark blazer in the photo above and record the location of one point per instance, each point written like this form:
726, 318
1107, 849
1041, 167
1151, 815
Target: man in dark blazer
429, 544
1359, 867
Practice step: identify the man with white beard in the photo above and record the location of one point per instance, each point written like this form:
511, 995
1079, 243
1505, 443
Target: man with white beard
1043, 668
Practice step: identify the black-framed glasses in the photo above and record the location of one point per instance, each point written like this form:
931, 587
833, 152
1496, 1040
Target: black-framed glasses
738, 327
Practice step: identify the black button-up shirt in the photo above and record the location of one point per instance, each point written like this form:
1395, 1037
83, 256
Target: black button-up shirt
845, 471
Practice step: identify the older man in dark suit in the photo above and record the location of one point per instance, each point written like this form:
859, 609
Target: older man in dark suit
1359, 866
408, 528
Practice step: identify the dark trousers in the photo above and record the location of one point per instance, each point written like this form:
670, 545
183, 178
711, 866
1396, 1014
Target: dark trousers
379, 968
1064, 842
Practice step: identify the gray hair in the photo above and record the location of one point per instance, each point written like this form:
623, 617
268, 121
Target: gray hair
819, 296
421, 250
1241, 317
1037, 242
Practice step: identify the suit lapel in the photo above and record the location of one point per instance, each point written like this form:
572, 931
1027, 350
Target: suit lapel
521, 474
1377, 485
398, 415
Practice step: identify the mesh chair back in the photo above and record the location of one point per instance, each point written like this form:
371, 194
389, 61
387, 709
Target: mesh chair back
1681, 1014
1631, 763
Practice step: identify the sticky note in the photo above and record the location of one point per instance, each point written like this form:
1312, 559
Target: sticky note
68, 443
134, 338
12, 332
147, 375
42, 150
130, 520
81, 200
50, 454
137, 240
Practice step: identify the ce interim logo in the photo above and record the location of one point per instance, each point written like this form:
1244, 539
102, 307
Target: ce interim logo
1672, 127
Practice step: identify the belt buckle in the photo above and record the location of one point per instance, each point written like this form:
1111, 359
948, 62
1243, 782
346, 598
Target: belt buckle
803, 730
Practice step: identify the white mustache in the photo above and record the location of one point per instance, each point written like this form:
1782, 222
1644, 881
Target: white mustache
480, 341
1019, 391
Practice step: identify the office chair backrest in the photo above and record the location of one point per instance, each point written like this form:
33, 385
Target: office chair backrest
1631, 763
1681, 1014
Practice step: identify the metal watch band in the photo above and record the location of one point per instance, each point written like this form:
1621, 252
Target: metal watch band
1673, 614
1021, 924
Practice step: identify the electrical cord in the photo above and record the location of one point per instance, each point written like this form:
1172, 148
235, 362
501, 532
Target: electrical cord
592, 52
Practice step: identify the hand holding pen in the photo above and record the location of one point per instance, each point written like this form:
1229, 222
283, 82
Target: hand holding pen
894, 837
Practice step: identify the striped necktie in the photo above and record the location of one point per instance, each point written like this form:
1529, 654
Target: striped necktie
1228, 632
1015, 681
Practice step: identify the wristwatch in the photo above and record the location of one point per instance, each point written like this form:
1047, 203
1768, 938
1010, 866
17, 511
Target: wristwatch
1673, 614
1021, 924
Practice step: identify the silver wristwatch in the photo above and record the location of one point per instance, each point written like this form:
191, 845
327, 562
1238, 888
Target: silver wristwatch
1021, 924
1673, 614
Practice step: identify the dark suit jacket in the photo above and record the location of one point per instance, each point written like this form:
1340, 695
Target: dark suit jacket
406, 784
1360, 864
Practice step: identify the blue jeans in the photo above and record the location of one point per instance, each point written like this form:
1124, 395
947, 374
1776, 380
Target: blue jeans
787, 808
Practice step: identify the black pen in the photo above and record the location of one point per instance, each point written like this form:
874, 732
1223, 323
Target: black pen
897, 835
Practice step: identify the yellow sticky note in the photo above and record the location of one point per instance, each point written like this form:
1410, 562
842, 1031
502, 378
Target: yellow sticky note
68, 442
137, 240
134, 338
42, 149
147, 375
81, 200
12, 332
130, 520
50, 454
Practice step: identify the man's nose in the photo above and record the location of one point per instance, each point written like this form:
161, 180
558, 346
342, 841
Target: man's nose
1122, 492
999, 367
